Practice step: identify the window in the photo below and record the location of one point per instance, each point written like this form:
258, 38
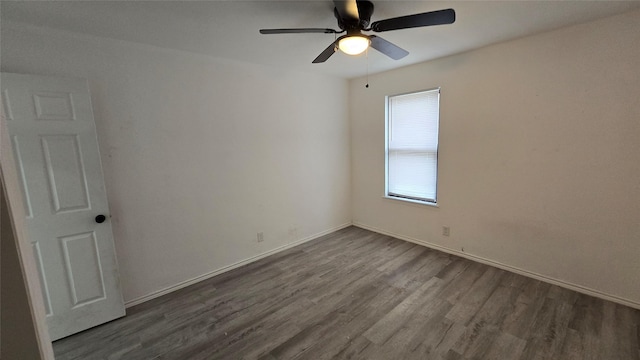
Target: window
412, 146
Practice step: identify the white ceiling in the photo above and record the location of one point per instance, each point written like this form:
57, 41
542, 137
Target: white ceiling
229, 29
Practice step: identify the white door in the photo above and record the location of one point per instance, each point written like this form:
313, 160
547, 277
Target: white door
54, 140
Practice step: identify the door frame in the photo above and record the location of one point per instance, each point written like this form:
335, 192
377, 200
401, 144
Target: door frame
13, 196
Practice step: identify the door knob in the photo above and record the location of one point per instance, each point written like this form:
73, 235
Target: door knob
100, 219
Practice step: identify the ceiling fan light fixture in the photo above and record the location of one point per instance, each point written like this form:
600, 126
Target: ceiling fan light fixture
354, 45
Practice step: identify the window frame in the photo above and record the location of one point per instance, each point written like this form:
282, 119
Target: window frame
408, 199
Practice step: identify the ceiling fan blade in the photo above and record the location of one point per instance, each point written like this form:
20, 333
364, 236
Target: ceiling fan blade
297, 31
326, 53
348, 10
439, 17
393, 51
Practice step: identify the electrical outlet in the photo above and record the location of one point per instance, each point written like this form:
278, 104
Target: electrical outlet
260, 237
446, 230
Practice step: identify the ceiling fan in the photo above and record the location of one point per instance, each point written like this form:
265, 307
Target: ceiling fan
354, 17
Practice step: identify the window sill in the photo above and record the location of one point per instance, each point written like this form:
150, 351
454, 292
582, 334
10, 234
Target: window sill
418, 202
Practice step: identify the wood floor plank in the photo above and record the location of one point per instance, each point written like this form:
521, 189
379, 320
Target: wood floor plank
355, 349
436, 334
478, 293
519, 321
404, 342
394, 320
504, 346
549, 330
356, 294
458, 287
416, 272
356, 322
325, 326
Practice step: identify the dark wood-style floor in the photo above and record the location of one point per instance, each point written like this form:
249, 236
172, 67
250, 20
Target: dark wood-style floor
355, 294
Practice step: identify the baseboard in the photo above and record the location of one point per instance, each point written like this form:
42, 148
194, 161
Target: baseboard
219, 271
564, 284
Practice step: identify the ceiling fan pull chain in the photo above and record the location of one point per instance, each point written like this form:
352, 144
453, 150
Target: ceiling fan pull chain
367, 56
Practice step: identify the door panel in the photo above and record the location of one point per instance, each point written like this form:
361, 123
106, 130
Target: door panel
54, 106
67, 180
23, 180
37, 255
53, 134
82, 262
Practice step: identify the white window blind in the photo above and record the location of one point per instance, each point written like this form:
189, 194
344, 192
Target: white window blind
412, 145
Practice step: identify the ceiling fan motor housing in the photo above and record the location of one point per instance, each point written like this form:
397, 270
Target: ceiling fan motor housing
365, 10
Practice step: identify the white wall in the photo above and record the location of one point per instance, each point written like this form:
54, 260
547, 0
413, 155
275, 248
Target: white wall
200, 154
539, 155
